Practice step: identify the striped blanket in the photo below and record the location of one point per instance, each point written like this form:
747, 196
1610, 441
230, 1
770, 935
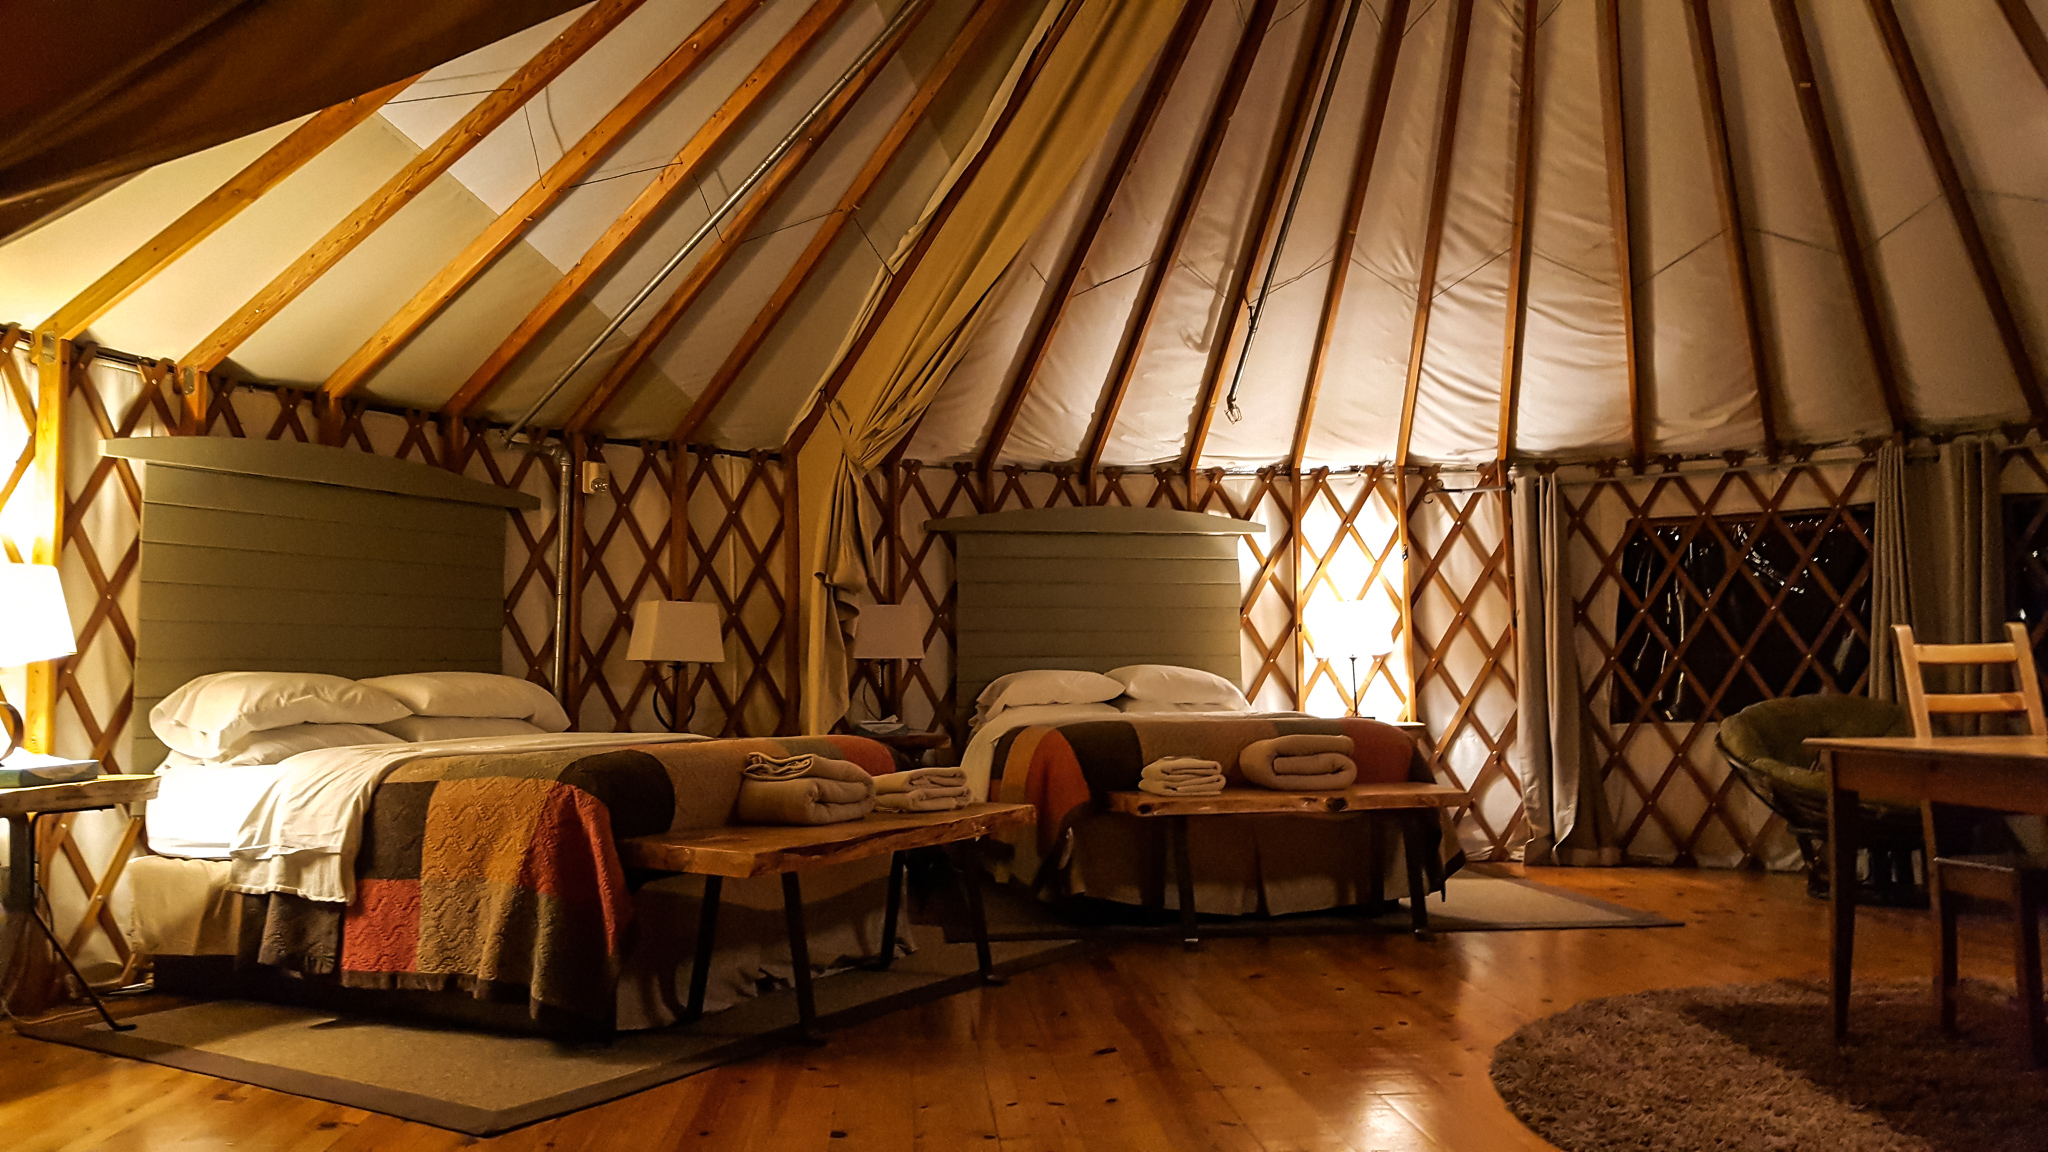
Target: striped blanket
498, 874
1067, 771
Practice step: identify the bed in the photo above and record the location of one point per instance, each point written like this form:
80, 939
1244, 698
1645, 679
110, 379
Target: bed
289, 559
1097, 590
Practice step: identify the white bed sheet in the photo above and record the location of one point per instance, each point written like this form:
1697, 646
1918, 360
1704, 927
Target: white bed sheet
200, 808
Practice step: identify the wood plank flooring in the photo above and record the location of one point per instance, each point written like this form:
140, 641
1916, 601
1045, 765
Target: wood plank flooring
1341, 1043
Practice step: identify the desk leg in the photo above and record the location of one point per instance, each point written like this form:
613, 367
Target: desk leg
1417, 853
967, 865
1184, 874
800, 958
892, 910
20, 904
707, 934
1843, 812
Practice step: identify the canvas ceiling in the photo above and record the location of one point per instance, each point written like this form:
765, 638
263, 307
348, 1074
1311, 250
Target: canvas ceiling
1697, 389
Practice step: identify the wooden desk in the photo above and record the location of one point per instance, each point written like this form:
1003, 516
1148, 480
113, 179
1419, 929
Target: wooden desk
2003, 773
743, 850
1422, 800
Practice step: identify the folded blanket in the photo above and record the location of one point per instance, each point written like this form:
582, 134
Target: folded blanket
1181, 776
803, 790
761, 766
1299, 763
918, 778
933, 799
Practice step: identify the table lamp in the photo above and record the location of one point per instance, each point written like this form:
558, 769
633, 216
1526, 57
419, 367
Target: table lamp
36, 626
675, 633
1356, 628
888, 632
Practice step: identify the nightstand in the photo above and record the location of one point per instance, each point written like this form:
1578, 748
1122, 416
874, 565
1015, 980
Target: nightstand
20, 807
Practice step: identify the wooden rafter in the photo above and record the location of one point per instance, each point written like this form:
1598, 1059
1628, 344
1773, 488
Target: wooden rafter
220, 206
1958, 197
1433, 235
1393, 27
930, 230
1164, 72
2028, 30
1834, 190
1123, 367
1518, 241
1262, 231
836, 222
690, 162
1614, 130
735, 233
55, 360
553, 184
437, 158
1714, 111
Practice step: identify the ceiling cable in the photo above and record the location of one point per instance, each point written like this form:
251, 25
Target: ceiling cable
909, 13
1308, 153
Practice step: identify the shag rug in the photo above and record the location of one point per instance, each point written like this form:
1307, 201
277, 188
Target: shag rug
1735, 1068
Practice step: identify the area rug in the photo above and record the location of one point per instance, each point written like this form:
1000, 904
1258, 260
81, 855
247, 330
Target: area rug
1754, 1068
428, 1074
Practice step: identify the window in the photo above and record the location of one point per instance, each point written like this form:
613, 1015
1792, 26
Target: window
2026, 566
1730, 610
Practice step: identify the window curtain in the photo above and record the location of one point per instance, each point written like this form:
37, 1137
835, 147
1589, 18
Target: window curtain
1570, 822
1104, 51
1957, 525
1891, 584
99, 89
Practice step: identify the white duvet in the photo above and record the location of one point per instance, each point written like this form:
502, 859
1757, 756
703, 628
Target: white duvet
300, 832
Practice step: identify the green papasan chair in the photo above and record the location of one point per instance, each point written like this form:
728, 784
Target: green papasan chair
1763, 743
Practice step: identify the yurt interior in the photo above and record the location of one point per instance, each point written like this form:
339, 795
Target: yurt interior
1032, 574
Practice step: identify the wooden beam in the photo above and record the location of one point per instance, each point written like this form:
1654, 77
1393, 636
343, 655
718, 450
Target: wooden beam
437, 158
733, 236
1164, 72
220, 206
511, 224
54, 358
1518, 241
2028, 31
1614, 131
1958, 197
1393, 29
1714, 110
1262, 231
1123, 367
677, 175
835, 223
1827, 162
1433, 235
931, 229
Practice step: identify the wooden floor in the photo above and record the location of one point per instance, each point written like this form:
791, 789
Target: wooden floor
1248, 1045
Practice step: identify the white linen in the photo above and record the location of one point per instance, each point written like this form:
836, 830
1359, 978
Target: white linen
1175, 684
211, 713
1045, 686
421, 728
199, 808
475, 694
301, 835
276, 745
978, 761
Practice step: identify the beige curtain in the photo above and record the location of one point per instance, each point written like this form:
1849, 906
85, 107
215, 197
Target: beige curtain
1891, 583
1957, 527
1103, 52
1570, 822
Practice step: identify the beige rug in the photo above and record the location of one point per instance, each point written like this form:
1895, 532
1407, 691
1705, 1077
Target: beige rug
1754, 1068
431, 1074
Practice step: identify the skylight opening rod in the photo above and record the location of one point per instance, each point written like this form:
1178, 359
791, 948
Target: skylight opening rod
1308, 153
908, 13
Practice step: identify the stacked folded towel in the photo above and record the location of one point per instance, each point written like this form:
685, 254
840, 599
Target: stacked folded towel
1182, 776
923, 790
1299, 763
803, 790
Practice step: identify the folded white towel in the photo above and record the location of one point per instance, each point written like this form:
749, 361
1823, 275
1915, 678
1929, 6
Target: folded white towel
1203, 786
1181, 776
937, 799
920, 778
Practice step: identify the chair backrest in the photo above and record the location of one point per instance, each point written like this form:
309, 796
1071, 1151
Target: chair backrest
2017, 651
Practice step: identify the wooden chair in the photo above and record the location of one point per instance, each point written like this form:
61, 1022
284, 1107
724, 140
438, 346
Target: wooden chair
2018, 881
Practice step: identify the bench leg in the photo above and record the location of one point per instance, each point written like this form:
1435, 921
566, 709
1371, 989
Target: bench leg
967, 866
1184, 875
2027, 968
892, 910
707, 934
1153, 895
1418, 871
800, 958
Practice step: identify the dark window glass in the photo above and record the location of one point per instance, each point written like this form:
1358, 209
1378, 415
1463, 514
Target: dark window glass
2026, 566
1738, 609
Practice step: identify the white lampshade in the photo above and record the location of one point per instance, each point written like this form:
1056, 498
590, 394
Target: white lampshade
34, 623
1356, 628
888, 632
676, 632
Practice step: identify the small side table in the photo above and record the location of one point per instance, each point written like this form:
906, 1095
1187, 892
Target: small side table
909, 747
20, 807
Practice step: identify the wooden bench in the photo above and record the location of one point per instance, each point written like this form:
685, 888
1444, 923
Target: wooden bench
763, 850
1416, 802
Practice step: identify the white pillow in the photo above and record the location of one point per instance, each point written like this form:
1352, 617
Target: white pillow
278, 744
475, 694
414, 729
1045, 686
215, 712
1139, 707
1028, 714
1172, 684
